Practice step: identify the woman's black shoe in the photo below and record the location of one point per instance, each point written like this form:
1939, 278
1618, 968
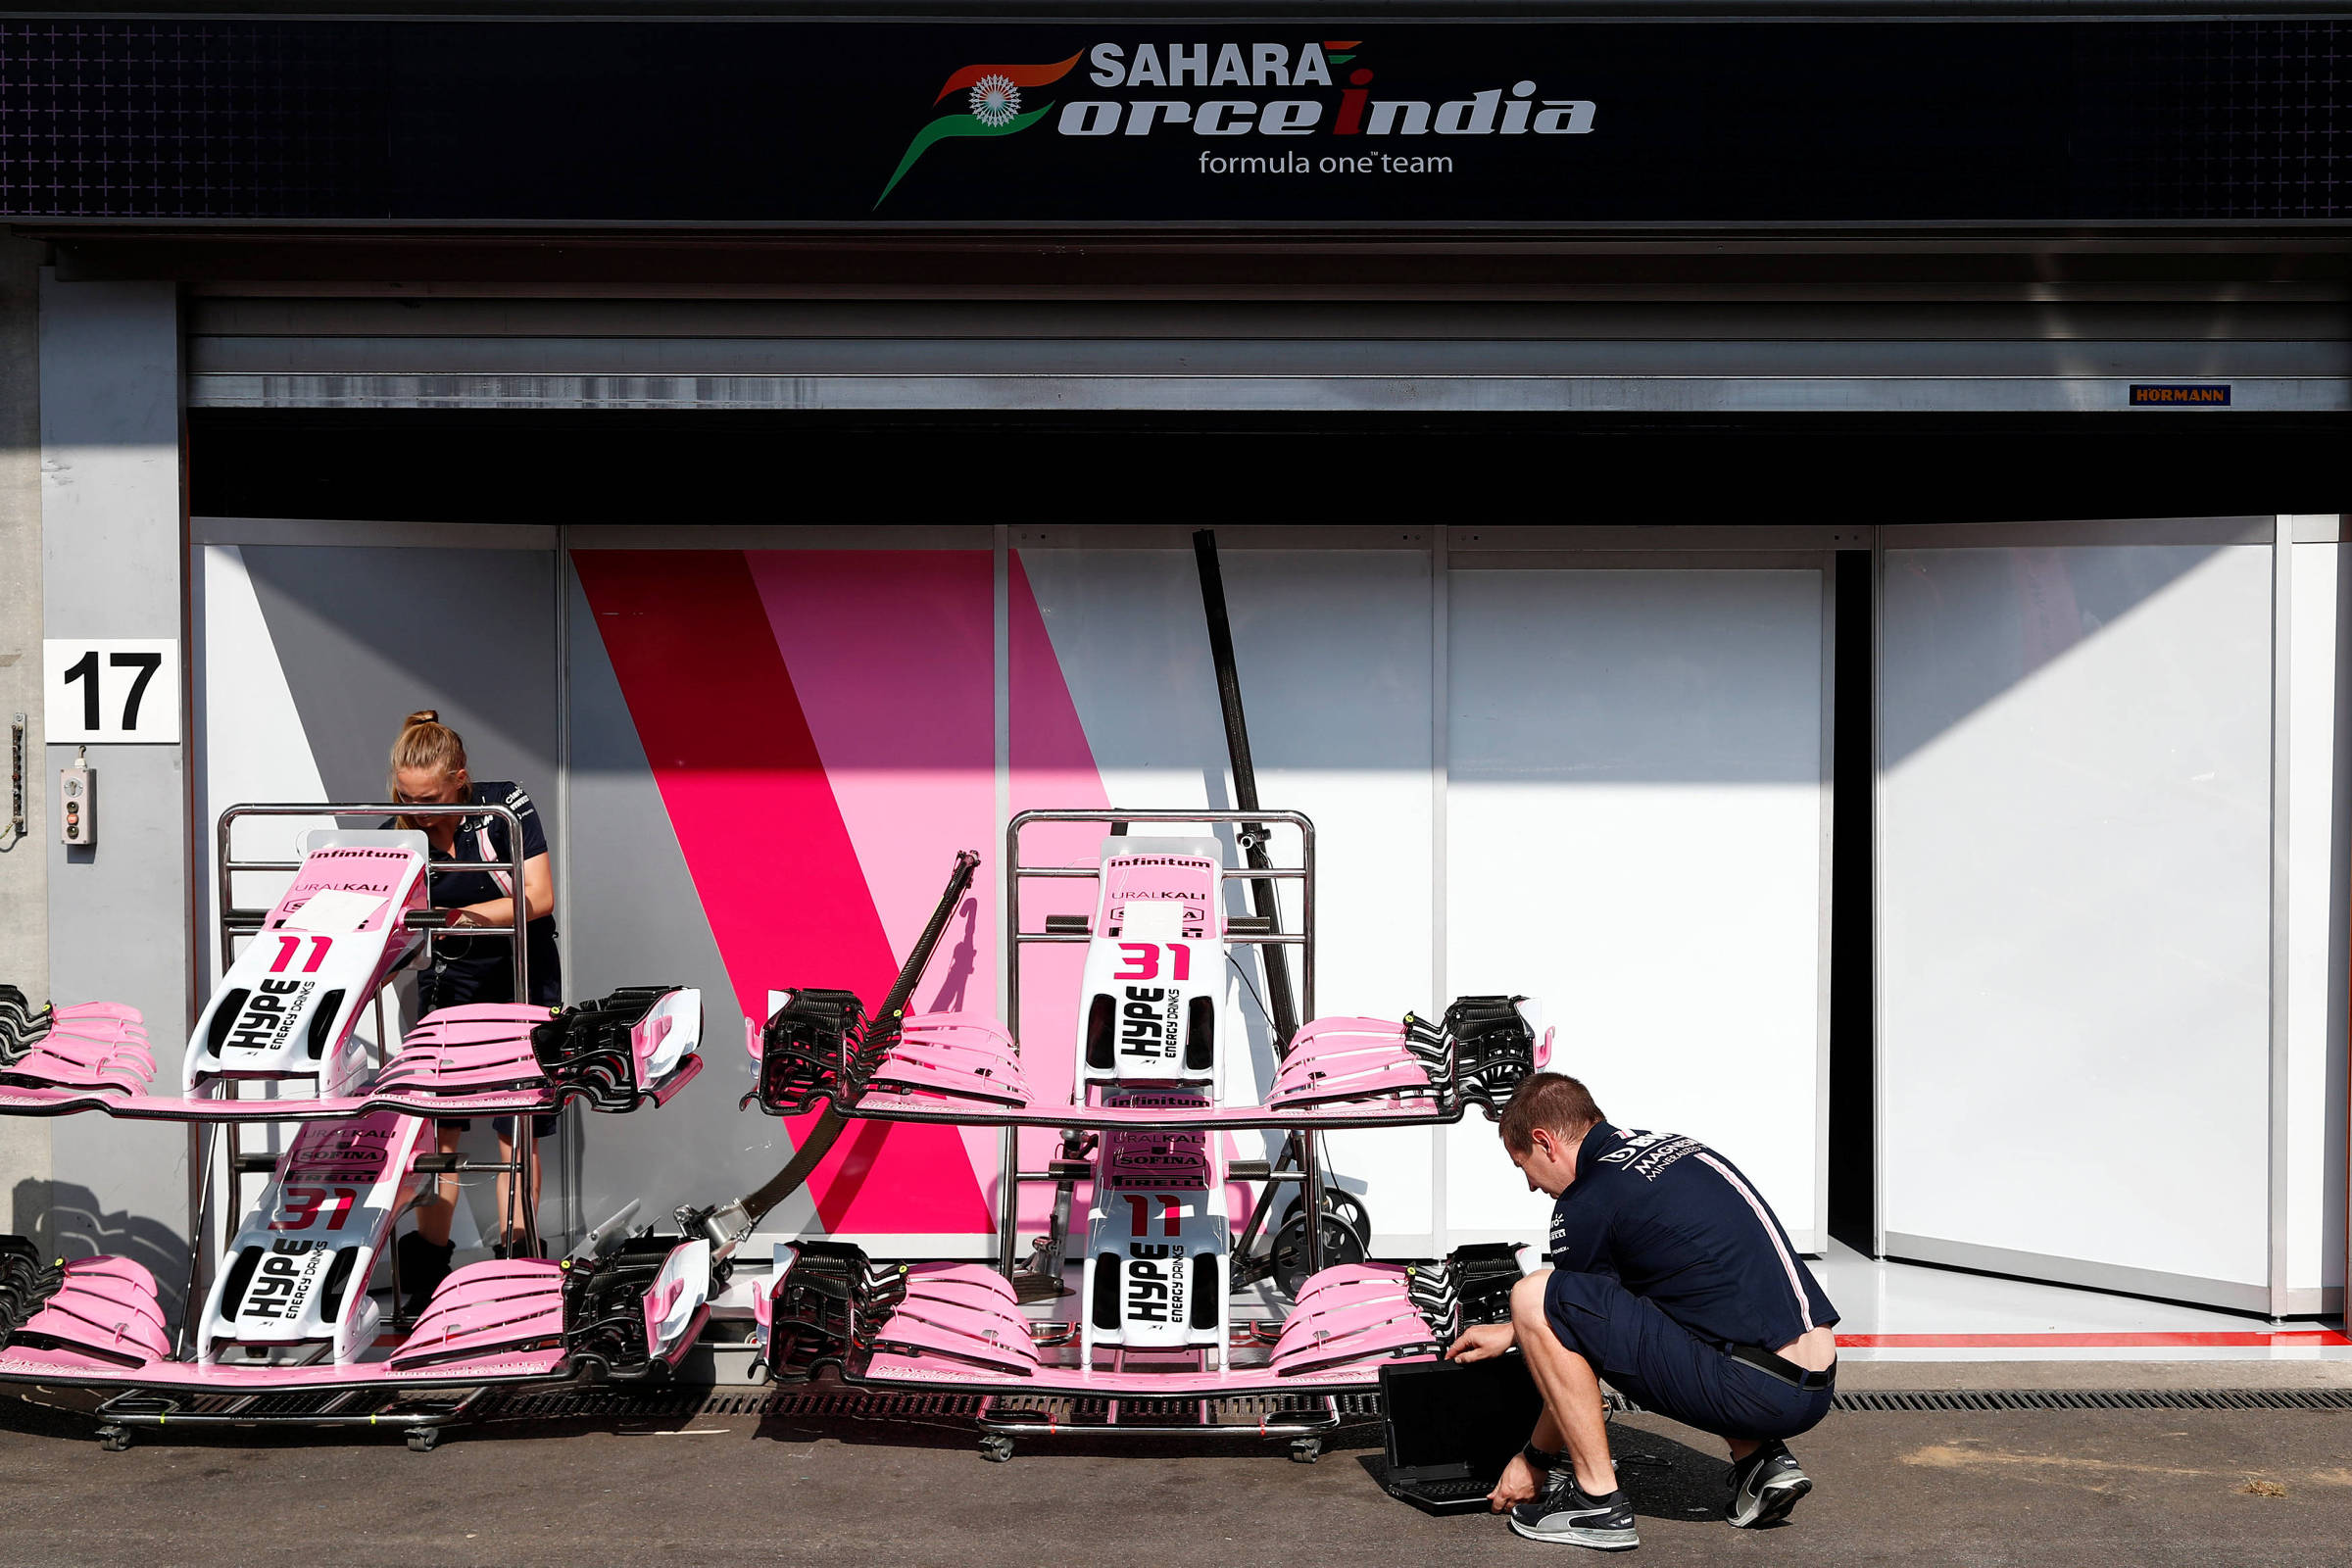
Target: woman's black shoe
423, 1267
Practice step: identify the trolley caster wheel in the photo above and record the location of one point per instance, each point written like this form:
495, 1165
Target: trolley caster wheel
1288, 1251
113, 1440
1305, 1451
1345, 1205
995, 1450
424, 1440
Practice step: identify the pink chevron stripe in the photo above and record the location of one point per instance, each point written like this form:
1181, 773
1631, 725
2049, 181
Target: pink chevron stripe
891, 652
1053, 765
773, 864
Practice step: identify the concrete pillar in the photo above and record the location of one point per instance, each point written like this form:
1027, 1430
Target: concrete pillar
23, 864
114, 564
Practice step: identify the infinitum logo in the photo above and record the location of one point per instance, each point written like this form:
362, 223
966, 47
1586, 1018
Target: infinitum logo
993, 108
1346, 107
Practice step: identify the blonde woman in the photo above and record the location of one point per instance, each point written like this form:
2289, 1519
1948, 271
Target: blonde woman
428, 768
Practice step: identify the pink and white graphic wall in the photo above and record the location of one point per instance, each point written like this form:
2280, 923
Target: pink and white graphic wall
1602, 787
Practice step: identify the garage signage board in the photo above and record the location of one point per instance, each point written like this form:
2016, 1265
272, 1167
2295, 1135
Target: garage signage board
98, 689
1259, 122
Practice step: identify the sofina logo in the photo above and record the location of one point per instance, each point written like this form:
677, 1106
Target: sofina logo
992, 108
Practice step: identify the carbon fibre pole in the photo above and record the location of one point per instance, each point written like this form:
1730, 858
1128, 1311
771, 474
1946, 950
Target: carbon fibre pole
1298, 1152
1263, 897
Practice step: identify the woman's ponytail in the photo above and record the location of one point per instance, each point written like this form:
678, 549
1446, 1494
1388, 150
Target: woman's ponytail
425, 743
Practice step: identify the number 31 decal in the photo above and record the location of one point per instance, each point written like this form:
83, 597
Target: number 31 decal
301, 1205
1143, 960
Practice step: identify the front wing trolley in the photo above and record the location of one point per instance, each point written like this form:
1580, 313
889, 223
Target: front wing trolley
298, 1320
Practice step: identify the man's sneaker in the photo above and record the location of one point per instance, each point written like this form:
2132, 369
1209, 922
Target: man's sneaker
1564, 1511
1764, 1487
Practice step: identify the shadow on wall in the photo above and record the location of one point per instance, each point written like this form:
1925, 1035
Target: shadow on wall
963, 961
75, 1226
29, 1215
2046, 600
470, 632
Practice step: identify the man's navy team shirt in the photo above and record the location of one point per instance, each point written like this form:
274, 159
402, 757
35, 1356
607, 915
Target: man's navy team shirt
1675, 1223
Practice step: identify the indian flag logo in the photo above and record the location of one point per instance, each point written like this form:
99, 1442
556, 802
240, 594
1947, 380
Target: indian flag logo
992, 108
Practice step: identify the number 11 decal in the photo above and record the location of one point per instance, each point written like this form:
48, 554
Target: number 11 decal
292, 944
1171, 1219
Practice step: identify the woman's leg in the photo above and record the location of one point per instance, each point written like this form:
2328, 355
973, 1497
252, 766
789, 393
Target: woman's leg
511, 1219
439, 1207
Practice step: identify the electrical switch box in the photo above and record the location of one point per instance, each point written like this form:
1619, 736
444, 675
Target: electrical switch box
78, 799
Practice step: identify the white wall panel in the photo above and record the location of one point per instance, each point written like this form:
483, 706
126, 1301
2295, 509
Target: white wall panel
1634, 835
2074, 872
111, 567
251, 744
251, 747
2317, 934
1333, 656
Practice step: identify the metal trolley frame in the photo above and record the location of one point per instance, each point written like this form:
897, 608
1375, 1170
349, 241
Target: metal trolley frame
424, 1414
1003, 1419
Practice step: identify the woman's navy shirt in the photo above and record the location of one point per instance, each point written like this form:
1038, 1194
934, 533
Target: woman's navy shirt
472, 968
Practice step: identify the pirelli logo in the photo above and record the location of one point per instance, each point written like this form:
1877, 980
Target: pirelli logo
2180, 395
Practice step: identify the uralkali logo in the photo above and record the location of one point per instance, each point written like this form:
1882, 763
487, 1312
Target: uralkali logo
1345, 106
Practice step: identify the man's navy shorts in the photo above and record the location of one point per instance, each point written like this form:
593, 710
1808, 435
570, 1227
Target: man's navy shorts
1662, 1366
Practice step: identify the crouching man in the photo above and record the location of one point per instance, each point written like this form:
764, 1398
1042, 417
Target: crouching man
1672, 1279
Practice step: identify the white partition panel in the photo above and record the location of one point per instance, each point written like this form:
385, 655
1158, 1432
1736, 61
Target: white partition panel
1634, 834
2075, 894
1333, 656
2320, 766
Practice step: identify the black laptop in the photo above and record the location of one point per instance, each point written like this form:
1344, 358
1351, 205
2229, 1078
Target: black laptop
1452, 1426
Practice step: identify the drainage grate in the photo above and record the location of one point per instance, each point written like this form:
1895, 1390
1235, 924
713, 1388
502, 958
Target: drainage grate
2102, 1399
862, 1405
629, 1404
877, 1405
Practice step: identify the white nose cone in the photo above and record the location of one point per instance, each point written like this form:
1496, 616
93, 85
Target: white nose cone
676, 1295
669, 1032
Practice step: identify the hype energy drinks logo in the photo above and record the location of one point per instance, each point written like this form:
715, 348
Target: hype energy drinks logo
1320, 88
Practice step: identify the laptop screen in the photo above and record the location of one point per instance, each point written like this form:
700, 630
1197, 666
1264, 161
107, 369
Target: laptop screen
1448, 1419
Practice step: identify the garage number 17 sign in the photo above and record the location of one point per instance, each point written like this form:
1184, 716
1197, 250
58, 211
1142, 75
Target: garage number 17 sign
111, 689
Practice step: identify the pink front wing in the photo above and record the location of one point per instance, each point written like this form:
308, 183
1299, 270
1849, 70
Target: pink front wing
1359, 1320
488, 1323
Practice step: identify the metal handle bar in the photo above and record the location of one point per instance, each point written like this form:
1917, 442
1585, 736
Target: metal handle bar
1015, 874
1291, 873
232, 919
1187, 813
1233, 939
249, 920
